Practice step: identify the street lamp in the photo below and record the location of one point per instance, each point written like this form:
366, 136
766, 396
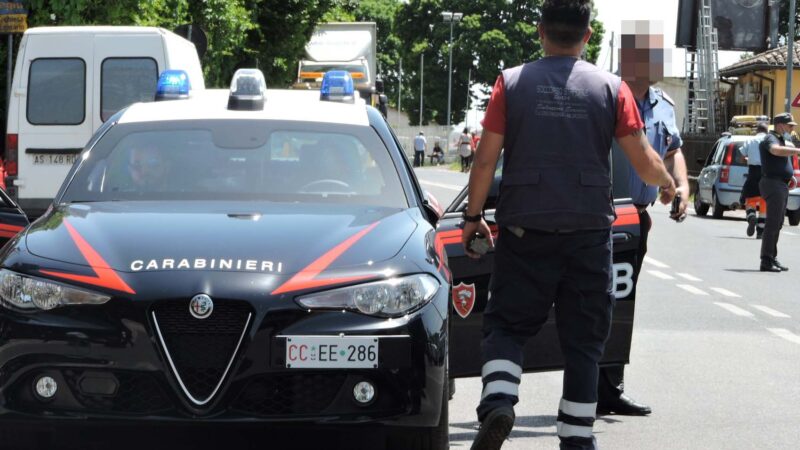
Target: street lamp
452, 18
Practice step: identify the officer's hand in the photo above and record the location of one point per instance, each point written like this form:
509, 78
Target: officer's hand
470, 228
668, 193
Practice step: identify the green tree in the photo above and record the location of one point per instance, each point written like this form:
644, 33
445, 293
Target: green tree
493, 35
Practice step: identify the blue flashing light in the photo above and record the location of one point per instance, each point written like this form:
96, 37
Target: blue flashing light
337, 85
173, 84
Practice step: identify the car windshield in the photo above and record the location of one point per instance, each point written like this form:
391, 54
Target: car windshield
239, 160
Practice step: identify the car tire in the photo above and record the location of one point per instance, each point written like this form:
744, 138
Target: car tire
425, 438
700, 208
794, 217
452, 389
718, 209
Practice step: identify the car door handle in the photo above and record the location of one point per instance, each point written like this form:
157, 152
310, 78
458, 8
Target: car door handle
621, 238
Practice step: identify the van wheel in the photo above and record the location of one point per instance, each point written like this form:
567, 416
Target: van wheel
718, 208
794, 217
700, 208
425, 438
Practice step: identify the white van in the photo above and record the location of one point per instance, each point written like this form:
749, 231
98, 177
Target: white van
67, 82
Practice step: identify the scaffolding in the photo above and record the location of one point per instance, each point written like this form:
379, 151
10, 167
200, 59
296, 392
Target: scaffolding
704, 111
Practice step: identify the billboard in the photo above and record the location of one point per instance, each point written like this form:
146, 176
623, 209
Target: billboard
743, 25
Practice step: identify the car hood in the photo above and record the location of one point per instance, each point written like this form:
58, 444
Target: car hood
272, 238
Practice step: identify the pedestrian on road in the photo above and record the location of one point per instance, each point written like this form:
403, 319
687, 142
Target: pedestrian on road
776, 174
420, 145
438, 154
756, 210
465, 149
555, 118
641, 66
475, 141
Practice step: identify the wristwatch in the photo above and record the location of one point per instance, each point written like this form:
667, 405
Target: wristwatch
475, 218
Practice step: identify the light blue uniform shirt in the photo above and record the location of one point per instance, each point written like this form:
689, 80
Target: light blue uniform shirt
658, 116
750, 149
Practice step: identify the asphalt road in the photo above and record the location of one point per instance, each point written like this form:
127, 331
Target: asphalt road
716, 346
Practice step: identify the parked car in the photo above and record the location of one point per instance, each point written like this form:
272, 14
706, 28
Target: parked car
719, 185
67, 82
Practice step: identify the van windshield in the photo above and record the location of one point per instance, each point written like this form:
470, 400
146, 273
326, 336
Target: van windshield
239, 160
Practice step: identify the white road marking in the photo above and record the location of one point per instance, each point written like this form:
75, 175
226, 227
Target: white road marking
692, 289
734, 309
442, 185
661, 275
771, 311
689, 277
786, 334
656, 263
726, 292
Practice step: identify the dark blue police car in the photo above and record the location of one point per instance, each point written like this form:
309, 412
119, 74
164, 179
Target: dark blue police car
246, 256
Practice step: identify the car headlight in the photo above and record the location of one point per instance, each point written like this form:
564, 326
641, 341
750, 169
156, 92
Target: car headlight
387, 298
28, 293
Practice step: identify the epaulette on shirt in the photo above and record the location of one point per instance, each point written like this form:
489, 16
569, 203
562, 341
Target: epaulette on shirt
665, 96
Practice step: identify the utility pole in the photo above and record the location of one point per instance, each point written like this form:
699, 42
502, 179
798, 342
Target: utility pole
469, 97
400, 92
451, 17
790, 56
421, 85
611, 46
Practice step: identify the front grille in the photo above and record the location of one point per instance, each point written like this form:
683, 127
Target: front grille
201, 349
137, 393
289, 394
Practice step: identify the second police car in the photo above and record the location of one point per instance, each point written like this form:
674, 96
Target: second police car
257, 255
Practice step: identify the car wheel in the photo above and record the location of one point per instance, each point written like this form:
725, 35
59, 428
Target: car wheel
452, 390
718, 208
700, 208
425, 438
794, 217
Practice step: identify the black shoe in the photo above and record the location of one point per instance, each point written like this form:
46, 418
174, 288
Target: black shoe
769, 266
777, 264
495, 428
751, 224
623, 406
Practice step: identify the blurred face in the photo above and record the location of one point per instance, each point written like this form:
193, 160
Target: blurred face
146, 165
641, 53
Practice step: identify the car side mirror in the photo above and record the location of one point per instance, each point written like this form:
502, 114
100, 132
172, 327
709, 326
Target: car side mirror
433, 208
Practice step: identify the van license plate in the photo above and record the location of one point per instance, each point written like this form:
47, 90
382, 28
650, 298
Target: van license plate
54, 159
331, 352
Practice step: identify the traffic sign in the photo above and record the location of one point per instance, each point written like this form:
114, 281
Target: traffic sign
796, 102
13, 17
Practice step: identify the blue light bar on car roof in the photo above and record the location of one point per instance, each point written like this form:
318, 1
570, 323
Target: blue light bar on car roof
173, 85
337, 86
248, 90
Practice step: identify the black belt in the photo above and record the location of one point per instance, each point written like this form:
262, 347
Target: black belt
519, 231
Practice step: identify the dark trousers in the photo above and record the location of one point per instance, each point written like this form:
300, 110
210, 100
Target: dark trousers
750, 187
776, 194
612, 378
419, 158
531, 274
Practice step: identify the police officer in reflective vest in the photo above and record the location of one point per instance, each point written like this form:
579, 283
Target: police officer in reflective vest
555, 118
776, 173
641, 66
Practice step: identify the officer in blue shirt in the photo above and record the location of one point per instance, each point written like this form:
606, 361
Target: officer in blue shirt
641, 66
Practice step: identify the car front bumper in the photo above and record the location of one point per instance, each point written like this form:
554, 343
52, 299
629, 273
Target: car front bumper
111, 365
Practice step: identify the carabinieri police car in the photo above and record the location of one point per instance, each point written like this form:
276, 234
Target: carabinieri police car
239, 256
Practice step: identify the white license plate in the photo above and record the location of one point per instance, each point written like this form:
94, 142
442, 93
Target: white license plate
54, 159
331, 352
